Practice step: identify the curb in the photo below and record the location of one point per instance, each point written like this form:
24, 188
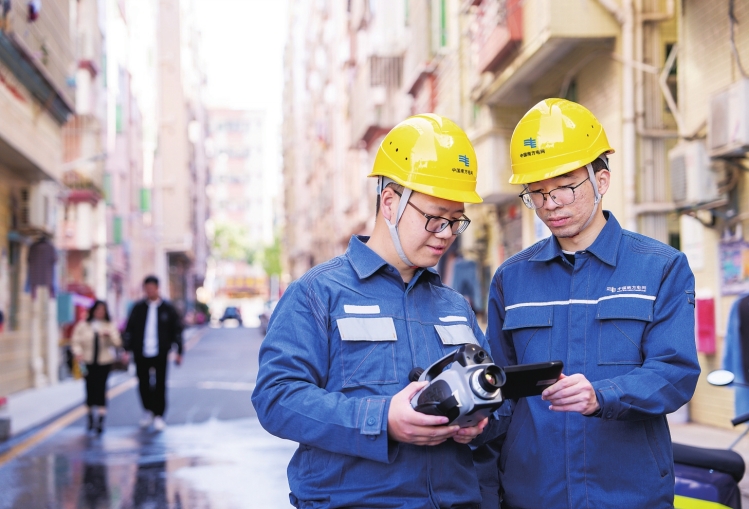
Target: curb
116, 380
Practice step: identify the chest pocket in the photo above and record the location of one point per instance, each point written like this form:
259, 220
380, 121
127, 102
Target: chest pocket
455, 335
367, 350
530, 327
621, 324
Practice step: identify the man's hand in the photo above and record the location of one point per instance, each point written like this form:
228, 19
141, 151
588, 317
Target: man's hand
178, 359
572, 393
466, 435
409, 426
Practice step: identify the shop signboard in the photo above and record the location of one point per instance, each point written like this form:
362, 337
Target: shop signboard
734, 267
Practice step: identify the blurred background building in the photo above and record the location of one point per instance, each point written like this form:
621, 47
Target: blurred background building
36, 99
241, 211
355, 69
113, 166
103, 165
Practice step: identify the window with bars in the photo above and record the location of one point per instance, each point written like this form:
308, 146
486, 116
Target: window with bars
386, 71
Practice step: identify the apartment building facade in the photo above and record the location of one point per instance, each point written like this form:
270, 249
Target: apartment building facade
711, 121
36, 99
93, 133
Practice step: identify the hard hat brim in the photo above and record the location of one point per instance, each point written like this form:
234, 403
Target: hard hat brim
539, 175
455, 195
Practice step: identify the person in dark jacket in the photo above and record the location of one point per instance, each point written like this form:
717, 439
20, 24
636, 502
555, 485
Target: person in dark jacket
342, 342
616, 306
152, 328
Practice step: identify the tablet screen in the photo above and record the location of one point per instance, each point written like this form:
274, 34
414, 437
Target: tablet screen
524, 380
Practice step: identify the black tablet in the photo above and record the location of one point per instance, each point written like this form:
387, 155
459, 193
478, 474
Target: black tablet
524, 380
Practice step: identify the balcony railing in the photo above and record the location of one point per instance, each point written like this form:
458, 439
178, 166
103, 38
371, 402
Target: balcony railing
496, 31
47, 39
40, 54
81, 188
521, 40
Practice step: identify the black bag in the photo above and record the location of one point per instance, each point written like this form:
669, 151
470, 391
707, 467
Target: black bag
120, 363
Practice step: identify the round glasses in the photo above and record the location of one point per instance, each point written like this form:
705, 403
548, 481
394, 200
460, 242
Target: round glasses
437, 224
561, 196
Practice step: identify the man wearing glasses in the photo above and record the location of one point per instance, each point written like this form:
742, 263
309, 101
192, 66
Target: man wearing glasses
335, 363
616, 307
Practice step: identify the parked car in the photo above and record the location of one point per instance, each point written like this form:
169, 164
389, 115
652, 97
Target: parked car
265, 315
232, 313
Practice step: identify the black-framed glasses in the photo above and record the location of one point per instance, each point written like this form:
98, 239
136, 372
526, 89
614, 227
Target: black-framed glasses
564, 195
437, 224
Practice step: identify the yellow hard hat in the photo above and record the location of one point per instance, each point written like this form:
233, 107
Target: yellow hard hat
555, 137
429, 154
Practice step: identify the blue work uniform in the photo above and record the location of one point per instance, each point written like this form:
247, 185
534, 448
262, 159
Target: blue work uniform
622, 315
340, 344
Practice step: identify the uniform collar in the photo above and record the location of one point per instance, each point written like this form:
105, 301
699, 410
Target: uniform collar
366, 262
604, 247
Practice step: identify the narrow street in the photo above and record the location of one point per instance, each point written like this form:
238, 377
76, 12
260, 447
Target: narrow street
213, 453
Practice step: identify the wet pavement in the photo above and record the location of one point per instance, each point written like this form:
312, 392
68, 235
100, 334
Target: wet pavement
212, 455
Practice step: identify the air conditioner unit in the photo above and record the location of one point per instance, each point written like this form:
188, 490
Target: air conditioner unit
693, 182
38, 206
728, 121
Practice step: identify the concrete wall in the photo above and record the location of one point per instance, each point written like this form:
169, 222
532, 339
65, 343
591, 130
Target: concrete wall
706, 65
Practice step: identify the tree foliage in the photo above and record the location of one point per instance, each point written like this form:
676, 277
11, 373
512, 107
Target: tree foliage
231, 242
272, 258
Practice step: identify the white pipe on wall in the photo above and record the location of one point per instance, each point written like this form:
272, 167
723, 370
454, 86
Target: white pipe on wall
629, 145
626, 17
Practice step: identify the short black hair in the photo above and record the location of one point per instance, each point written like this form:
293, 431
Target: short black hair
395, 187
599, 164
90, 317
151, 279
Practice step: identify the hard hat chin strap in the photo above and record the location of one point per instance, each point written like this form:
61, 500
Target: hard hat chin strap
382, 182
592, 176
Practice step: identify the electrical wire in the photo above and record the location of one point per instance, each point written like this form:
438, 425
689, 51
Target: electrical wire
732, 22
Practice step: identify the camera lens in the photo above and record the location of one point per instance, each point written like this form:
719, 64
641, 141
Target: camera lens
493, 378
486, 382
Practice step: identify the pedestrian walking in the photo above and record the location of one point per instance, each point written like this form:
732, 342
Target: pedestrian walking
615, 306
153, 329
94, 344
335, 363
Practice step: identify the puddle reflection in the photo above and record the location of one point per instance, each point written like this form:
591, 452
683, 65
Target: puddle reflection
216, 465
94, 487
150, 485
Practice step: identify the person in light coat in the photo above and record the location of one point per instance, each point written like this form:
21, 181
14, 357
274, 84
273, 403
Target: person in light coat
94, 345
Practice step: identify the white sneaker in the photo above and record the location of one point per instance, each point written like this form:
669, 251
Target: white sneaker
158, 423
146, 420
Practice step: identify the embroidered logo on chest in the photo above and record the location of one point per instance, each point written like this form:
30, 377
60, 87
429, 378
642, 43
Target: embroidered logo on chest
628, 288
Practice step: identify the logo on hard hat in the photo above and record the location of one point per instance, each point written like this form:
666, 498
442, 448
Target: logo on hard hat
464, 159
533, 152
530, 142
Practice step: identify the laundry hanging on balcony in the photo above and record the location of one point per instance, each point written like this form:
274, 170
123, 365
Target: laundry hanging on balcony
42, 259
35, 7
